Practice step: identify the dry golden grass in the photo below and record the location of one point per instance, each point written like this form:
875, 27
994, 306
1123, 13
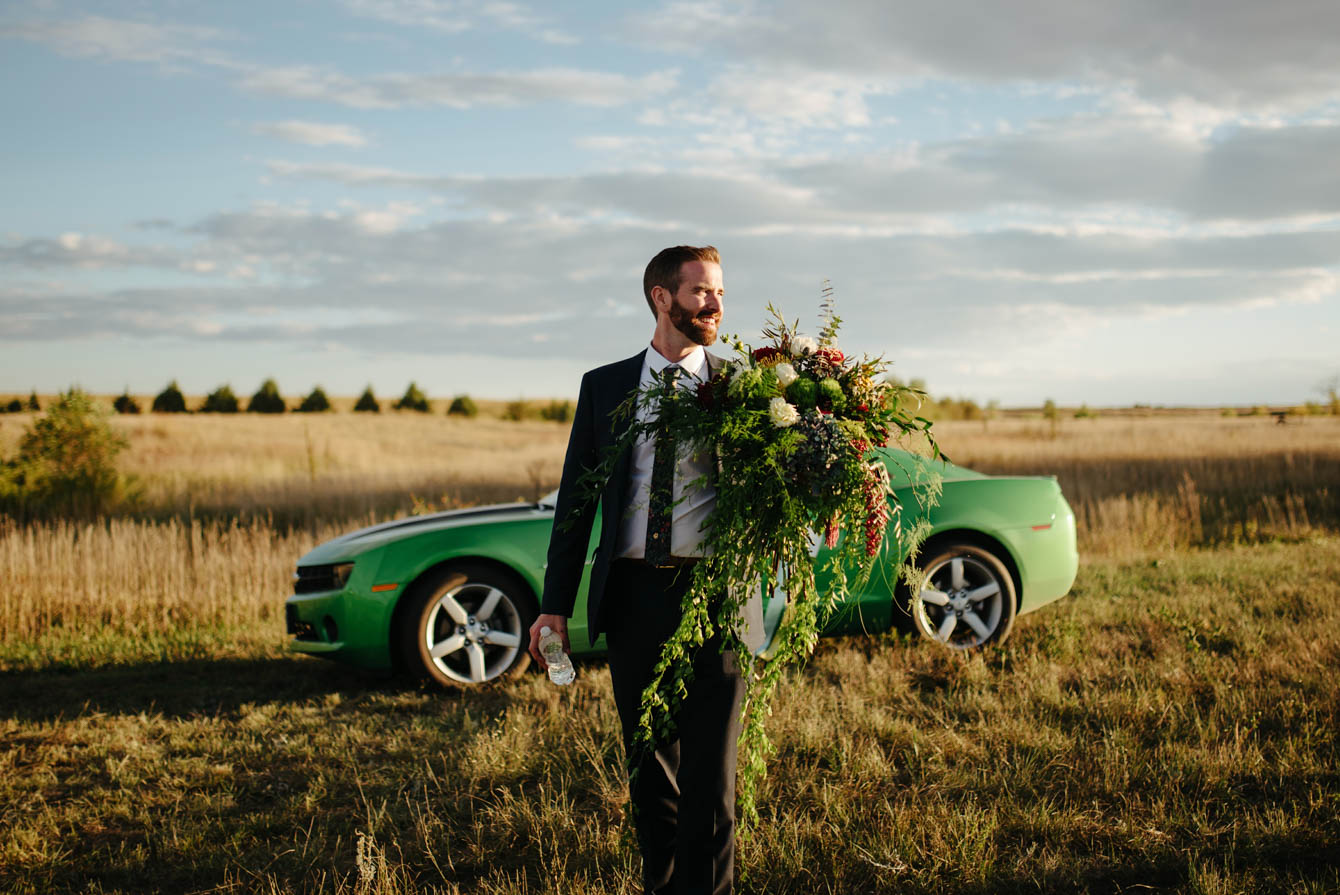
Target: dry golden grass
311, 468
1163, 482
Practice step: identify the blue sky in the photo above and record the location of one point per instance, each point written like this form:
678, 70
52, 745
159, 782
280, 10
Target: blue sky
1101, 203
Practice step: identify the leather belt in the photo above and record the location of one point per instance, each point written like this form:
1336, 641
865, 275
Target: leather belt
673, 562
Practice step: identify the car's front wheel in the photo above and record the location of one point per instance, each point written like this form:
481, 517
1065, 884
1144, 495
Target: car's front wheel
466, 625
967, 598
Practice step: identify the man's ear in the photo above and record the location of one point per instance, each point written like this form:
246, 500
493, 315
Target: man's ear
661, 297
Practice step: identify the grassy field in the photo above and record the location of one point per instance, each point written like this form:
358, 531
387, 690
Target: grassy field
1172, 725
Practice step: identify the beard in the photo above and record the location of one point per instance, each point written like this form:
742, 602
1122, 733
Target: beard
700, 329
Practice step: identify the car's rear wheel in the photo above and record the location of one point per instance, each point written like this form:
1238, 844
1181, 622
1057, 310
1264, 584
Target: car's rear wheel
466, 625
967, 598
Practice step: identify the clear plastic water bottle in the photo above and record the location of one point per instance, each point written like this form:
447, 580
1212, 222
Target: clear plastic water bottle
561, 671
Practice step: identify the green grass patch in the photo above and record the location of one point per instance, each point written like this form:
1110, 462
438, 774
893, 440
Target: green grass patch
1171, 725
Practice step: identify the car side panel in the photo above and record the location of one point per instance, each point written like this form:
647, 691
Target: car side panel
1011, 511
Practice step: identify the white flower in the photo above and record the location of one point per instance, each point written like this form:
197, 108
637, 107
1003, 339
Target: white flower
786, 374
782, 414
803, 345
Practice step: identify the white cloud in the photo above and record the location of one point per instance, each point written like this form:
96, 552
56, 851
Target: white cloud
312, 133
459, 90
1093, 167
1223, 52
457, 16
120, 40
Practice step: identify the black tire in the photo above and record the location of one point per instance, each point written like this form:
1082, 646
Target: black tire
476, 618
967, 600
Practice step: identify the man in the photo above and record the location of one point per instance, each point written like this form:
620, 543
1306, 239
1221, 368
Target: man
684, 793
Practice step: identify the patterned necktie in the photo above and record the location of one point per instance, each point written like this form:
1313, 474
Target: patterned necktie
662, 479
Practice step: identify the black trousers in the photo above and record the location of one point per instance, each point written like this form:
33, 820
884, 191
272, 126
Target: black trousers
684, 792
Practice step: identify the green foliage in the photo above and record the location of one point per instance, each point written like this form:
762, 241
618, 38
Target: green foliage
169, 400
1085, 413
33, 404
14, 406
413, 399
515, 411
367, 402
66, 465
267, 399
463, 405
126, 404
316, 402
557, 411
221, 400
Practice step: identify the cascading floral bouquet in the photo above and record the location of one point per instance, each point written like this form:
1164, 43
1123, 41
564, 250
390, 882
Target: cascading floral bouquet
793, 425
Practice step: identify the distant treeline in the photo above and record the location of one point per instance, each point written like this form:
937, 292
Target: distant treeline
267, 399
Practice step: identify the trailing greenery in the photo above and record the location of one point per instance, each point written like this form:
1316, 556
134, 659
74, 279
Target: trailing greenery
267, 399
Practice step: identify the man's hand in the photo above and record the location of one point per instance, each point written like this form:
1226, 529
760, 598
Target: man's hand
555, 623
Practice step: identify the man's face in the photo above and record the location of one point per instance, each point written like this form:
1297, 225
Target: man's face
695, 309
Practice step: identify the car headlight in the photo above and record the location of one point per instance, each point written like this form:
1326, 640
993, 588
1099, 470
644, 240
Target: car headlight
318, 579
339, 574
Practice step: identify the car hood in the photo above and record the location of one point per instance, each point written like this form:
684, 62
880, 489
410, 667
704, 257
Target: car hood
910, 469
356, 542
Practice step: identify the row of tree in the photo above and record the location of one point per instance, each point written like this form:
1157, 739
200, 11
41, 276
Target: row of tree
267, 399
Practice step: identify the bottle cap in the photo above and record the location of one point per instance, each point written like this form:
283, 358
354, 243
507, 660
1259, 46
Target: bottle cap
545, 632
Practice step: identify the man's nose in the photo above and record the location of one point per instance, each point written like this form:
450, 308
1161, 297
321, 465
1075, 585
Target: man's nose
713, 303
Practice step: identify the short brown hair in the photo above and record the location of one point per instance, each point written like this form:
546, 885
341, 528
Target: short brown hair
663, 270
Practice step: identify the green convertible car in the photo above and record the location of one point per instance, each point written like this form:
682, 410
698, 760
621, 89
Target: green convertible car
451, 596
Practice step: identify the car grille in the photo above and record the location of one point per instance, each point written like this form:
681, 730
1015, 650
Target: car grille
314, 579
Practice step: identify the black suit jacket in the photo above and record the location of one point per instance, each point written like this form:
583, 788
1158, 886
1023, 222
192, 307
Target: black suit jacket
593, 431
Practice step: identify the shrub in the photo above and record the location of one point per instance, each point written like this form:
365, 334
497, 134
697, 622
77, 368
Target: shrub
221, 400
66, 463
367, 402
14, 406
316, 402
557, 411
463, 405
515, 411
413, 399
126, 404
1085, 413
33, 404
169, 400
267, 399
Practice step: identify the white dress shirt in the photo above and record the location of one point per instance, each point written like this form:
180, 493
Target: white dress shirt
691, 508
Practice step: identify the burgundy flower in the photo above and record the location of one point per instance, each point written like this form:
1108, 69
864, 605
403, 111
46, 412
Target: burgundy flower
768, 352
706, 397
830, 356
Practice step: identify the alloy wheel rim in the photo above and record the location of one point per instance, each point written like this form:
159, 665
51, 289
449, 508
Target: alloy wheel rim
961, 601
473, 633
